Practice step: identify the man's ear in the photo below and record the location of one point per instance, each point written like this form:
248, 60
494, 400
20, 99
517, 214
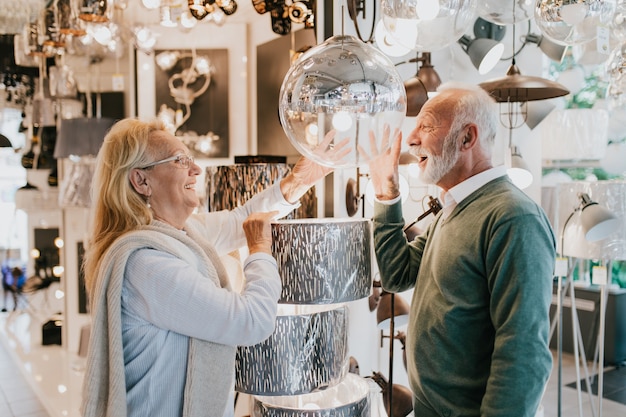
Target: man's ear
471, 136
139, 180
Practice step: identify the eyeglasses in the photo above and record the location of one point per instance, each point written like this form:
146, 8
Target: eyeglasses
182, 160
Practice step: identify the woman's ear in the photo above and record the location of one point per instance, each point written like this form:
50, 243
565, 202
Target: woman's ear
139, 180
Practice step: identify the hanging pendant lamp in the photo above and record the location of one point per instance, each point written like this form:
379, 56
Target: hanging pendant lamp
515, 87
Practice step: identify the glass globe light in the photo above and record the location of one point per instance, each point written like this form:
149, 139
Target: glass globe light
572, 22
343, 85
427, 25
506, 12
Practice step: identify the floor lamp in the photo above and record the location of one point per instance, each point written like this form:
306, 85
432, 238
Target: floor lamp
587, 224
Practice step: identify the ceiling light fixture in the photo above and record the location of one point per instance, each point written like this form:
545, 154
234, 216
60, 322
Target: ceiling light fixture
552, 50
518, 170
485, 50
422, 86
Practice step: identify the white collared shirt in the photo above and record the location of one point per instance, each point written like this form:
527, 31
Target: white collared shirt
460, 191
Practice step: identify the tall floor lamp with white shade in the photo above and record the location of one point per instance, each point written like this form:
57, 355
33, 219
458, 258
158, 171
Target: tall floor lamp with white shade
593, 229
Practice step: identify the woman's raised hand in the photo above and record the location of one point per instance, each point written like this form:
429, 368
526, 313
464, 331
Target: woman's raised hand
307, 172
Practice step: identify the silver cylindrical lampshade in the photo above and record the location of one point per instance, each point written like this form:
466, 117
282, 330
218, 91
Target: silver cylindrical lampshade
350, 398
306, 353
230, 186
323, 261
610, 195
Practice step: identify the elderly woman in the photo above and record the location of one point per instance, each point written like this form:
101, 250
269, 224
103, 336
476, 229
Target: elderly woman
165, 322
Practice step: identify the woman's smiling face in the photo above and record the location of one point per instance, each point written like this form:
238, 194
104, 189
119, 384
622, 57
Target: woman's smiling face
172, 180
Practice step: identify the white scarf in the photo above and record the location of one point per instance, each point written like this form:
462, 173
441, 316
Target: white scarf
208, 381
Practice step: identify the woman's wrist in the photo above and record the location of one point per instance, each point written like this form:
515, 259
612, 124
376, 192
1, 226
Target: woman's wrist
292, 189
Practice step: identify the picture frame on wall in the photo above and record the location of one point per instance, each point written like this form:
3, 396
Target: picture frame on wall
217, 126
192, 93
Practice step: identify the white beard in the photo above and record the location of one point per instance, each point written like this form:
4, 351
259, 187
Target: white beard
439, 165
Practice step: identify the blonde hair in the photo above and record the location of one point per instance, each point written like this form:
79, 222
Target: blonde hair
116, 207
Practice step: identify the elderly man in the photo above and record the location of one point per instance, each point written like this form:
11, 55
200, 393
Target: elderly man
477, 338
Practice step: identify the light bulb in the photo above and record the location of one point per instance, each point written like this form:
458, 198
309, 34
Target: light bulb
311, 133
203, 65
427, 9
342, 121
102, 34
218, 16
187, 20
145, 39
58, 270
167, 59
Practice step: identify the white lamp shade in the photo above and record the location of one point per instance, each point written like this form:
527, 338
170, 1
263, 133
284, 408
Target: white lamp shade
485, 54
536, 111
520, 177
517, 169
597, 222
574, 135
607, 240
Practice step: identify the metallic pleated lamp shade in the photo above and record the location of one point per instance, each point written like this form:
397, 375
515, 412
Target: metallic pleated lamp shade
349, 398
307, 352
323, 261
593, 214
229, 186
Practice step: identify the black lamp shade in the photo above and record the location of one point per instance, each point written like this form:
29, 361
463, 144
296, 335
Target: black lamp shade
82, 136
5, 142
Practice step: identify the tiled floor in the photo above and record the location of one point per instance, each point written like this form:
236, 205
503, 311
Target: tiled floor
45, 381
17, 398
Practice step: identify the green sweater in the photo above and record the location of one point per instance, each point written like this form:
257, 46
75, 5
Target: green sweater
477, 338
